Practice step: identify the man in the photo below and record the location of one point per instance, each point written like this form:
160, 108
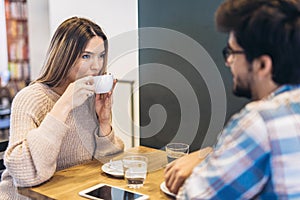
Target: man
257, 156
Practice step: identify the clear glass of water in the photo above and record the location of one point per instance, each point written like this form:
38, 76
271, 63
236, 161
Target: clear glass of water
176, 150
135, 170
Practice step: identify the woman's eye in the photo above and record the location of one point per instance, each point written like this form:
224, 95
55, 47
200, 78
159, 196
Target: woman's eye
86, 56
102, 55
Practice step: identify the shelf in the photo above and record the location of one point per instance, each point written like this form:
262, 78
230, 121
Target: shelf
16, 28
1, 155
16, 9
25, 60
17, 44
17, 19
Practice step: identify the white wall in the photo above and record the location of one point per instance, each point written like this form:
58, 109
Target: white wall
39, 34
116, 17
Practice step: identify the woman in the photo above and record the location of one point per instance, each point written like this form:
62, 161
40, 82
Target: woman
58, 121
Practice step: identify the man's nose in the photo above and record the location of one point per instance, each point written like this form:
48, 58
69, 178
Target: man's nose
228, 61
227, 64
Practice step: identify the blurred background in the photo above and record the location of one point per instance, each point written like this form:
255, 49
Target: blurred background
160, 51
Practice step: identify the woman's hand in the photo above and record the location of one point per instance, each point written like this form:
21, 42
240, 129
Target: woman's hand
103, 105
75, 95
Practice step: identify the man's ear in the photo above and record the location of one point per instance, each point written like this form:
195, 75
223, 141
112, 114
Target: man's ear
263, 66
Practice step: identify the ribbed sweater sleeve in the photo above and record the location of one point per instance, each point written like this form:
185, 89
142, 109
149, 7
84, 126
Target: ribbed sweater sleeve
103, 145
35, 139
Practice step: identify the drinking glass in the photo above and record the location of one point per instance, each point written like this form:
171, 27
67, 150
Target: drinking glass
176, 150
135, 170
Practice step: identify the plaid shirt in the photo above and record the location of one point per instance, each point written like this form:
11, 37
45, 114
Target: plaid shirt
257, 156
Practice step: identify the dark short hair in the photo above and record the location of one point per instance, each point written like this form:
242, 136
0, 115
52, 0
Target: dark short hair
266, 27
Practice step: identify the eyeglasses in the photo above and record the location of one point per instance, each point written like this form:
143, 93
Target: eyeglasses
227, 51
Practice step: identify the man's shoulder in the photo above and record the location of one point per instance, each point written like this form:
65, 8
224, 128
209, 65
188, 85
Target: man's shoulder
255, 118
283, 104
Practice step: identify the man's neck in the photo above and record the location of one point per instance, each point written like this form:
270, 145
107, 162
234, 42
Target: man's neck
265, 90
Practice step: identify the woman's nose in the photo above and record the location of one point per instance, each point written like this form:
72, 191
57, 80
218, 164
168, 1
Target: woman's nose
96, 65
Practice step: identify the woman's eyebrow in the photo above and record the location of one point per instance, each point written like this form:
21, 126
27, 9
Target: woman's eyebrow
89, 52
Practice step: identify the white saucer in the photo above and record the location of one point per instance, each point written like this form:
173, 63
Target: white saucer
114, 168
164, 188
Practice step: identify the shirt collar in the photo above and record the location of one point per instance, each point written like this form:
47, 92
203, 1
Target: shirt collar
282, 89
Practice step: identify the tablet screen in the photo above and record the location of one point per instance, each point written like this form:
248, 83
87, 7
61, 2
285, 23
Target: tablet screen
111, 193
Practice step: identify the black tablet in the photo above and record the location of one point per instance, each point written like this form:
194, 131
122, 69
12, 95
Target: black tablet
109, 192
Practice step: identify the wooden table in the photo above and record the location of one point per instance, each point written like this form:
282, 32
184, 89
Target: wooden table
67, 183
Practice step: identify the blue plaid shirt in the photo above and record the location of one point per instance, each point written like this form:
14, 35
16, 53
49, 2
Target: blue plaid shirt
257, 156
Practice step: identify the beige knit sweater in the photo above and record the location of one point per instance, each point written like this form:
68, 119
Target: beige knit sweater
39, 144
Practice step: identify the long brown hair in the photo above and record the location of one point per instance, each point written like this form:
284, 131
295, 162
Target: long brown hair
67, 44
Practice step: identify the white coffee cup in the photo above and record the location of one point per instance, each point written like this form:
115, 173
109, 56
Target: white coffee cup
103, 83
